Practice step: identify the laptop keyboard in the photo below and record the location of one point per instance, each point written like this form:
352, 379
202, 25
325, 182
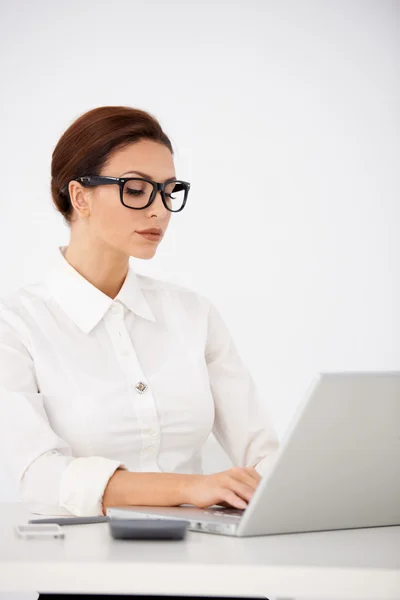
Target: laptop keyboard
225, 512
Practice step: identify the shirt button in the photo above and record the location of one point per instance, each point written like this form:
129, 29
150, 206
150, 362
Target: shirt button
153, 431
141, 387
150, 449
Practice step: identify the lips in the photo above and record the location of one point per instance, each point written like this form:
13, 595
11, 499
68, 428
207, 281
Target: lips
152, 230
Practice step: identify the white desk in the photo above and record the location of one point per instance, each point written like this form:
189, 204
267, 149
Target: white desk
349, 564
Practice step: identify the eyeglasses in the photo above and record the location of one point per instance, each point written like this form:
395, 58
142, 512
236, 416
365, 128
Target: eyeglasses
138, 193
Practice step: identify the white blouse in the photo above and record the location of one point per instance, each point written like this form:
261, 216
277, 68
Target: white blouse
89, 384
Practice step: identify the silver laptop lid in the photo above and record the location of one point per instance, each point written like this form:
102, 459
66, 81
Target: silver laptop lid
339, 463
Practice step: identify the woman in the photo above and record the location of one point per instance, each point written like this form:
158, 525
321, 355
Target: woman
111, 381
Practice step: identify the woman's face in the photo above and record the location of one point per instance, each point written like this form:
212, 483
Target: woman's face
112, 223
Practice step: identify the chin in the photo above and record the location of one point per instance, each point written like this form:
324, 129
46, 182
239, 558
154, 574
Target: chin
143, 253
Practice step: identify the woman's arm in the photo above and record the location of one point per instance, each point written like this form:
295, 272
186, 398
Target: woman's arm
234, 487
146, 489
49, 478
242, 424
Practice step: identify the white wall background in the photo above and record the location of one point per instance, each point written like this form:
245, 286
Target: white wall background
283, 116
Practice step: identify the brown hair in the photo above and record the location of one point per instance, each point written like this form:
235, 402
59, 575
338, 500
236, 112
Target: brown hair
86, 145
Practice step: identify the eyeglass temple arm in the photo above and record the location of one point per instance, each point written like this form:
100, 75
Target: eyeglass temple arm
92, 180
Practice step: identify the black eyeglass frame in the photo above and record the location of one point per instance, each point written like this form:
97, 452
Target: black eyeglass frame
93, 180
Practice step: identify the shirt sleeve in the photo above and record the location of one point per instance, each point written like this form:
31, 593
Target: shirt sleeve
242, 425
49, 478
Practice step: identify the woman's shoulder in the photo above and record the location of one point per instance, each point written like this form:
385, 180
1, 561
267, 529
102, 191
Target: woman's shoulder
19, 309
18, 297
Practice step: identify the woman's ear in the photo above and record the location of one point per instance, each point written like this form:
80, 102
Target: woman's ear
80, 198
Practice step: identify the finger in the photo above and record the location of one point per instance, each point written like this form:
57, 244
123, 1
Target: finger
242, 474
241, 489
253, 473
223, 503
229, 498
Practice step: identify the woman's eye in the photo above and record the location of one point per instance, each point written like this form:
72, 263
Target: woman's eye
132, 192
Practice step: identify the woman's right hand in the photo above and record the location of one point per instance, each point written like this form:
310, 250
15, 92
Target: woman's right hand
232, 488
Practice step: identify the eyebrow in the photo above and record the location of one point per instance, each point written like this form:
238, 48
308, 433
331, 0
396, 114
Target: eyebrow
143, 175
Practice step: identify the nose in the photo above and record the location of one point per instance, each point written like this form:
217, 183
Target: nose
157, 205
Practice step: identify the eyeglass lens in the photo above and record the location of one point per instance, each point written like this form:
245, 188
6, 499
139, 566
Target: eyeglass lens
136, 193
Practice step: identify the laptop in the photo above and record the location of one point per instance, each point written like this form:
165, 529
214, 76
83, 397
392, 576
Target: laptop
337, 466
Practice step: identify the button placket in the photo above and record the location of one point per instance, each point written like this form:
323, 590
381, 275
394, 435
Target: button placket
142, 397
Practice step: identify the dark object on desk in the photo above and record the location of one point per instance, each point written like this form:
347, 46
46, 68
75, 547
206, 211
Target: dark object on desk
148, 529
71, 520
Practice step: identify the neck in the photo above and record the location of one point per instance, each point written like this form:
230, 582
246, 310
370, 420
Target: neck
103, 266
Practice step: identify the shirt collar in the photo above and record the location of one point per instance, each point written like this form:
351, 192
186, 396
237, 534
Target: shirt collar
84, 303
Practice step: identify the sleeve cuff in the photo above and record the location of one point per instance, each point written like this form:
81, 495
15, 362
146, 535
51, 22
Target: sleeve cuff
83, 483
